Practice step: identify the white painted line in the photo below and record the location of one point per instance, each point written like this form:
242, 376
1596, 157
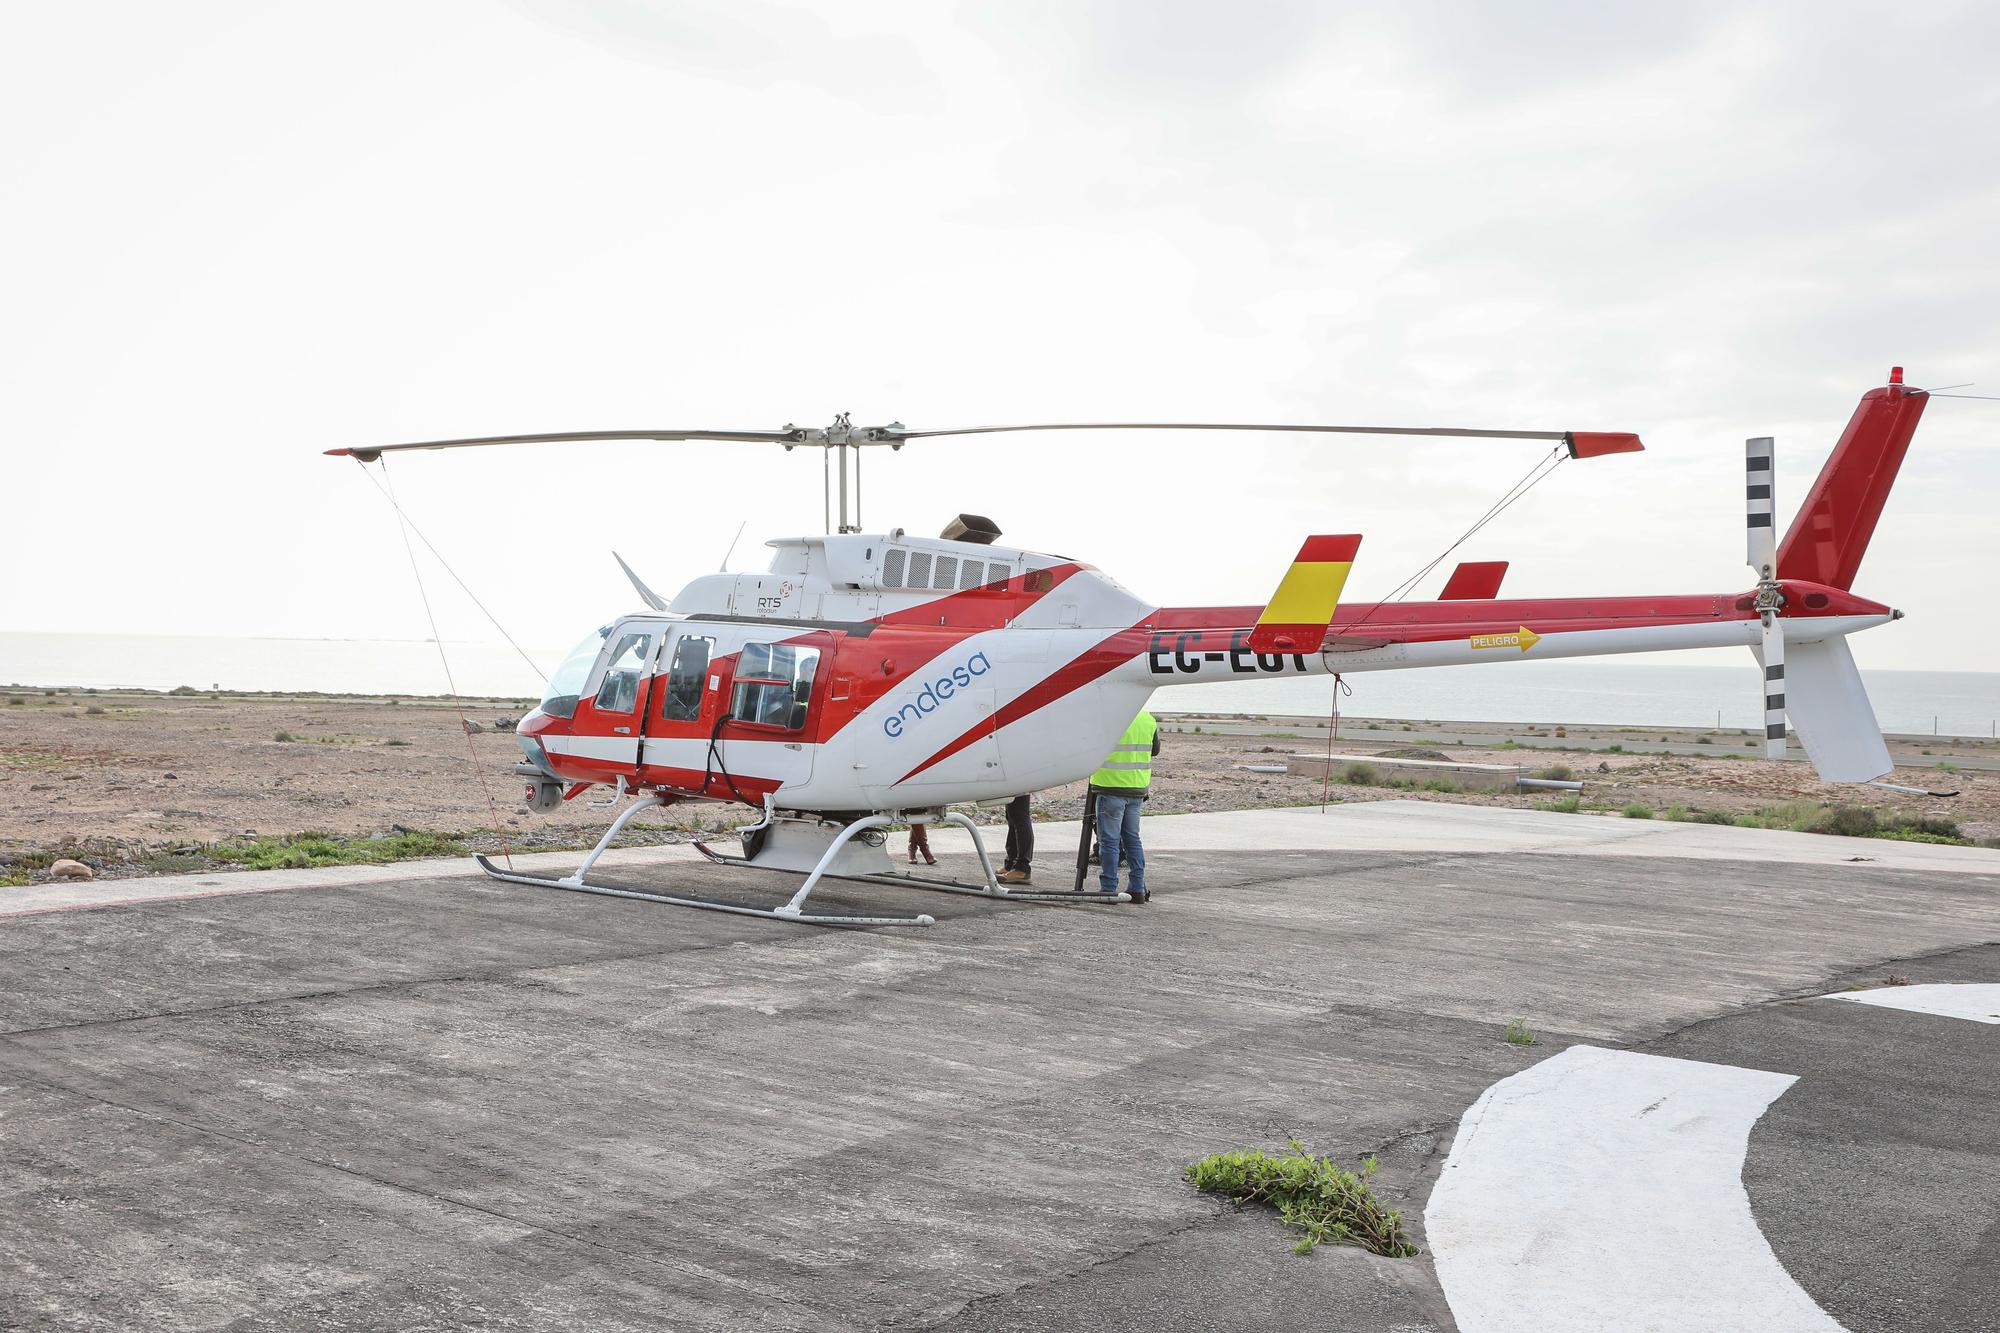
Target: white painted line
1977, 1001
1603, 1190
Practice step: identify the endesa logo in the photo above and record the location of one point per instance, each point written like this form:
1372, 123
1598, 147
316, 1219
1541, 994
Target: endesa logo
933, 694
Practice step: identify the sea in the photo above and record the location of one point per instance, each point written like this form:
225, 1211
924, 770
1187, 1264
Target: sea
1666, 690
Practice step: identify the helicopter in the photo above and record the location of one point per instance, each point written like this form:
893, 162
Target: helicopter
866, 680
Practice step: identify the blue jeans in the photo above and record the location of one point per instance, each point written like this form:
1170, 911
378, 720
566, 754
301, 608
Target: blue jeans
1118, 839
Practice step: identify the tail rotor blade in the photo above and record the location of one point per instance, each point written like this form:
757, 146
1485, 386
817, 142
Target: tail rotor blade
1758, 515
1774, 686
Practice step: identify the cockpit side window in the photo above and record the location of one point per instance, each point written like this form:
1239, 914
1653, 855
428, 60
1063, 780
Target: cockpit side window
618, 692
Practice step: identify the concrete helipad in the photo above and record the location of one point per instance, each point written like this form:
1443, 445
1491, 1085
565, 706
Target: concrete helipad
408, 1097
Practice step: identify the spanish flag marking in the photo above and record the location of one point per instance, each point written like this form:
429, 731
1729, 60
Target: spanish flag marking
1301, 609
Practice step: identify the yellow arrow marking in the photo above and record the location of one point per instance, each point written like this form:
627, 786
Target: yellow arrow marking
1524, 639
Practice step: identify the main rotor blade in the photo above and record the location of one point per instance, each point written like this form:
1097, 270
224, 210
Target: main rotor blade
790, 435
1582, 444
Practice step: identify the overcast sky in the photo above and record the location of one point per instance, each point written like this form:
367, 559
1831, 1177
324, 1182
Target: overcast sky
239, 234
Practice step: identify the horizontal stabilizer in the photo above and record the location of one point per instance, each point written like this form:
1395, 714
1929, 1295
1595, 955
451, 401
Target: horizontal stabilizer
1474, 581
1830, 712
1301, 609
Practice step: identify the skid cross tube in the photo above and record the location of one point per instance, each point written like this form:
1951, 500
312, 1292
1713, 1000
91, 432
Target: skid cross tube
990, 888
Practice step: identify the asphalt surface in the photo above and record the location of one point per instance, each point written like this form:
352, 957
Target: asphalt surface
1876, 1178
434, 1102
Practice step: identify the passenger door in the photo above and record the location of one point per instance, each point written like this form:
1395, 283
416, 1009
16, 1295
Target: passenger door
776, 693
687, 700
609, 718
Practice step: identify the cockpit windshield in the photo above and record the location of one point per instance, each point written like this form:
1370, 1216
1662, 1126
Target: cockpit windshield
572, 675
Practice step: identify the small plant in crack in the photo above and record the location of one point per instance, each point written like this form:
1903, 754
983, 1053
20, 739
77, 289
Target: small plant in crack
1895, 979
1313, 1195
1520, 1034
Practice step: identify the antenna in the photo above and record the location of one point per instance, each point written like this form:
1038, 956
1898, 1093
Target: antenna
724, 566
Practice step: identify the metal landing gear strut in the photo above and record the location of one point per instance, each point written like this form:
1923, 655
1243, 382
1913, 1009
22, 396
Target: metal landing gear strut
791, 911
819, 849
779, 852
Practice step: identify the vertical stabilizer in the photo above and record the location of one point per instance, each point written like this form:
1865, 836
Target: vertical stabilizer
1830, 534
1831, 713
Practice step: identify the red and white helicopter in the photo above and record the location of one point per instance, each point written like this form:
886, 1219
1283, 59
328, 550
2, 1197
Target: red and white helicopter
867, 680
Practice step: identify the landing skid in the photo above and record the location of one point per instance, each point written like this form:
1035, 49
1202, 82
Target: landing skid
706, 904
795, 845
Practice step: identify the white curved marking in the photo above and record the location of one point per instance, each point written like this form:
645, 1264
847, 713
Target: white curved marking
1604, 1190
1978, 1001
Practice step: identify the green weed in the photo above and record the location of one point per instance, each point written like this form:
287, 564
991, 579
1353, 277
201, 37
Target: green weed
1637, 810
1853, 821
1314, 1196
301, 850
1520, 1034
14, 881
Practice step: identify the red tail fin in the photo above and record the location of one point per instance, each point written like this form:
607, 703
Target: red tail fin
1830, 534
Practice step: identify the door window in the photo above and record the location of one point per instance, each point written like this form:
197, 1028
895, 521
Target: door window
618, 692
774, 684
685, 678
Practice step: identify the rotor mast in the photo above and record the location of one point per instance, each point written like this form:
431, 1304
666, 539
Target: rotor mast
839, 438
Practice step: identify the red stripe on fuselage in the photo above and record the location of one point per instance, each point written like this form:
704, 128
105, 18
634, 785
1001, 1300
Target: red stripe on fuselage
1099, 661
1424, 622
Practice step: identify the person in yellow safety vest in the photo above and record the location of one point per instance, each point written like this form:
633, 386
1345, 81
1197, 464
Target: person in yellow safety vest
1120, 788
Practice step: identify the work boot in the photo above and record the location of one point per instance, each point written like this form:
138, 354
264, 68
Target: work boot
1014, 876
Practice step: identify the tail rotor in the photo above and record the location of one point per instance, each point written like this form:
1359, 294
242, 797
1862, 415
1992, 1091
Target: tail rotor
1762, 553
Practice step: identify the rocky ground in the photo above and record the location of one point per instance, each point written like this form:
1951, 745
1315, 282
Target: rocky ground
137, 783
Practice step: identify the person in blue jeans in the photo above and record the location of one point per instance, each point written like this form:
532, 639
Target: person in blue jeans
1119, 788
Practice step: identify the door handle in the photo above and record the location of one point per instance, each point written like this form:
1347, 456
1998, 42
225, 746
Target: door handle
623, 731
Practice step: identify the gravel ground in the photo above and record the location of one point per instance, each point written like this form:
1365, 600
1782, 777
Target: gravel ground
128, 778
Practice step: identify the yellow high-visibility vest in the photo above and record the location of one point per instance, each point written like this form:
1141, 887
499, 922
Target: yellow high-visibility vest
1130, 763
